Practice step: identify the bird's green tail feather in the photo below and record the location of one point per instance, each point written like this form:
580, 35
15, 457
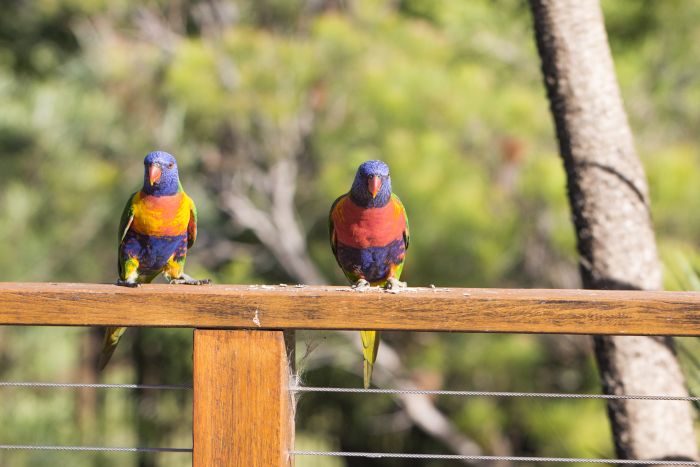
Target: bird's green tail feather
112, 336
370, 345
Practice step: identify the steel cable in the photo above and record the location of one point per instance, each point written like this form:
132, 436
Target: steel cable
552, 395
93, 385
88, 448
379, 455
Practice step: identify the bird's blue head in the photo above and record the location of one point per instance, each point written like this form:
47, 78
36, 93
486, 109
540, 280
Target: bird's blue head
372, 185
160, 177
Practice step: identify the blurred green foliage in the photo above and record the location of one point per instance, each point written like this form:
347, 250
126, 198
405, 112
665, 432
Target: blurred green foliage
448, 93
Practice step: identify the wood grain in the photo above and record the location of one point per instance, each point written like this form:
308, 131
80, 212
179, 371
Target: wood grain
417, 309
242, 410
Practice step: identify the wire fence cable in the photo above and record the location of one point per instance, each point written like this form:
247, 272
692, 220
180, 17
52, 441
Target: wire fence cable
93, 385
429, 392
379, 455
374, 455
551, 395
30, 447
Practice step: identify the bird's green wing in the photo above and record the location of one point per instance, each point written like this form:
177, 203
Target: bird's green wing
127, 218
351, 276
406, 233
124, 224
331, 228
192, 225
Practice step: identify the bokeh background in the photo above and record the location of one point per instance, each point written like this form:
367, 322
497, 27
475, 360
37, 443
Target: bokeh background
269, 107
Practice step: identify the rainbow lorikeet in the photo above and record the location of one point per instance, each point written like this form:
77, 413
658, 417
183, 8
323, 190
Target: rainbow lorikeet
157, 227
369, 237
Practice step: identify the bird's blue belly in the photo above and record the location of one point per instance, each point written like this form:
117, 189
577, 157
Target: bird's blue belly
374, 263
153, 252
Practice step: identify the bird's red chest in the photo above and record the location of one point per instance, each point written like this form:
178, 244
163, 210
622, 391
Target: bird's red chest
368, 227
161, 215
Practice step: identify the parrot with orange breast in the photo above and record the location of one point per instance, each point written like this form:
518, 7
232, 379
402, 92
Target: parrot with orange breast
369, 237
158, 226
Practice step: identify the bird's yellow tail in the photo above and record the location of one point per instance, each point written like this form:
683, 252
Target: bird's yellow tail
370, 345
112, 336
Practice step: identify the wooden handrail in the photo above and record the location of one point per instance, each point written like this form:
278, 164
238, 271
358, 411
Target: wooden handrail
325, 307
243, 412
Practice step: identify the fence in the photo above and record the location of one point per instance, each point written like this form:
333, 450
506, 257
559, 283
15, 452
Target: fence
242, 403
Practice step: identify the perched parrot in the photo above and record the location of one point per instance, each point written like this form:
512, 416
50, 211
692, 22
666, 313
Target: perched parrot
158, 226
369, 237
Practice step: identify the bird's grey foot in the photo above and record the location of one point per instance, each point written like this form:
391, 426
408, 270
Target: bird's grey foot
361, 285
395, 284
124, 283
187, 280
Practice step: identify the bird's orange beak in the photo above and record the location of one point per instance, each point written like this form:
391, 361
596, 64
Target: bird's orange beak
154, 173
375, 184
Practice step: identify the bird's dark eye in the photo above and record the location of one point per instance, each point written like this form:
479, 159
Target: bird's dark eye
170, 166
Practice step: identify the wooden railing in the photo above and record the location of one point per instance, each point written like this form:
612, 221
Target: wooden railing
242, 407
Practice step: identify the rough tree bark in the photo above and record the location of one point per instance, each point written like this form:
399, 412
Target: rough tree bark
609, 200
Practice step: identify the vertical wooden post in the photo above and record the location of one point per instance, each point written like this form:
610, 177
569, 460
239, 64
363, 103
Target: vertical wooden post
243, 415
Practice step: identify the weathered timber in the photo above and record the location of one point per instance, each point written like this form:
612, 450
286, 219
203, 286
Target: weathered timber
242, 408
416, 309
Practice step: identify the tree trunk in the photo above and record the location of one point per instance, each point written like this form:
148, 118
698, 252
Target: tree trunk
609, 200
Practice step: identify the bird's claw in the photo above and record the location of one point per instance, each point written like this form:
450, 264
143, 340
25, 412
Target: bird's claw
190, 281
123, 283
395, 284
361, 285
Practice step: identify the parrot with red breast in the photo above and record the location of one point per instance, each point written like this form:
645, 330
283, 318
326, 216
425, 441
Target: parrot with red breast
369, 237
